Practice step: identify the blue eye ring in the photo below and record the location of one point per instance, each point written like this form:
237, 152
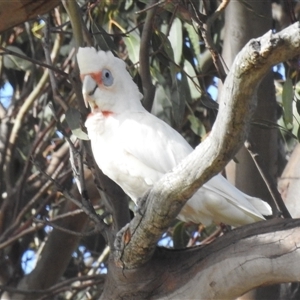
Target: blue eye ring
107, 78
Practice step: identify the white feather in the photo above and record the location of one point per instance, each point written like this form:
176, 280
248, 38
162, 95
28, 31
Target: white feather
135, 149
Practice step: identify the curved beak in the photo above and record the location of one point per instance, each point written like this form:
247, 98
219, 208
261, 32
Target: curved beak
89, 87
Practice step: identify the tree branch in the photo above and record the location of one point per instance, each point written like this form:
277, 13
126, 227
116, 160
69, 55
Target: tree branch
136, 243
216, 271
148, 87
270, 182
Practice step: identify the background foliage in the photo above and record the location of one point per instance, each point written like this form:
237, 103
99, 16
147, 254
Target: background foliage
41, 116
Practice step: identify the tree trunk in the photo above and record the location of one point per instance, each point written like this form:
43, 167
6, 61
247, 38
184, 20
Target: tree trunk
289, 183
251, 20
238, 31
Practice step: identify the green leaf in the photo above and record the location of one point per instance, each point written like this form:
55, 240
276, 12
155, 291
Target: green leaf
287, 102
102, 38
180, 236
165, 44
156, 44
175, 38
298, 106
162, 107
265, 124
188, 68
185, 89
133, 42
196, 125
178, 102
194, 38
14, 62
73, 118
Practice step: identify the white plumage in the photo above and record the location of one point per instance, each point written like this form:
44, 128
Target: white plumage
135, 149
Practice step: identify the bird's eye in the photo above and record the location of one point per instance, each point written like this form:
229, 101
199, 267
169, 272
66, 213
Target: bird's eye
107, 78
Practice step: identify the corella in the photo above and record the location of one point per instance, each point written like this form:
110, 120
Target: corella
135, 149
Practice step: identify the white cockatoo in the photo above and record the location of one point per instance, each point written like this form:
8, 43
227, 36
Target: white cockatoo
135, 149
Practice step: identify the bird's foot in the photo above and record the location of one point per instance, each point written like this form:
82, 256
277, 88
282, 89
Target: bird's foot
225, 228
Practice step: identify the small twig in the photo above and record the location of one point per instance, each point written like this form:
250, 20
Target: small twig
51, 290
205, 29
150, 6
72, 9
271, 185
148, 87
121, 34
86, 207
75, 160
72, 232
290, 9
103, 256
46, 46
15, 227
11, 240
212, 237
34, 61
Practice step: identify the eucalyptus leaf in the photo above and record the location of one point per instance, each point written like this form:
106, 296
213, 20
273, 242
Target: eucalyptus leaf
175, 38
156, 44
298, 106
185, 89
265, 124
133, 42
166, 45
180, 236
102, 38
196, 125
73, 118
178, 102
287, 102
14, 62
189, 69
79, 133
162, 106
194, 38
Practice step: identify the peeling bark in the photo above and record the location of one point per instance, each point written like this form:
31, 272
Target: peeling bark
250, 256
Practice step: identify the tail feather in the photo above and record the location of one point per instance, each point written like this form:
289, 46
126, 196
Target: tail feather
262, 206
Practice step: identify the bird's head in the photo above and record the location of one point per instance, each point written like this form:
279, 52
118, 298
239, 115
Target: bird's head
106, 84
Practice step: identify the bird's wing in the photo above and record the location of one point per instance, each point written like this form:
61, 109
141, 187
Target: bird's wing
153, 142
221, 186
159, 147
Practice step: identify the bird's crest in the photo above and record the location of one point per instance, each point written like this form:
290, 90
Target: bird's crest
91, 61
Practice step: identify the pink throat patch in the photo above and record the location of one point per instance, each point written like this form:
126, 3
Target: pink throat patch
105, 113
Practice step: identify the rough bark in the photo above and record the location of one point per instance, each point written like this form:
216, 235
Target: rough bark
289, 183
13, 13
244, 174
229, 267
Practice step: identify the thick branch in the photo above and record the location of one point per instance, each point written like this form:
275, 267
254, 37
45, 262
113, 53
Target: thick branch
237, 103
216, 271
148, 87
13, 13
